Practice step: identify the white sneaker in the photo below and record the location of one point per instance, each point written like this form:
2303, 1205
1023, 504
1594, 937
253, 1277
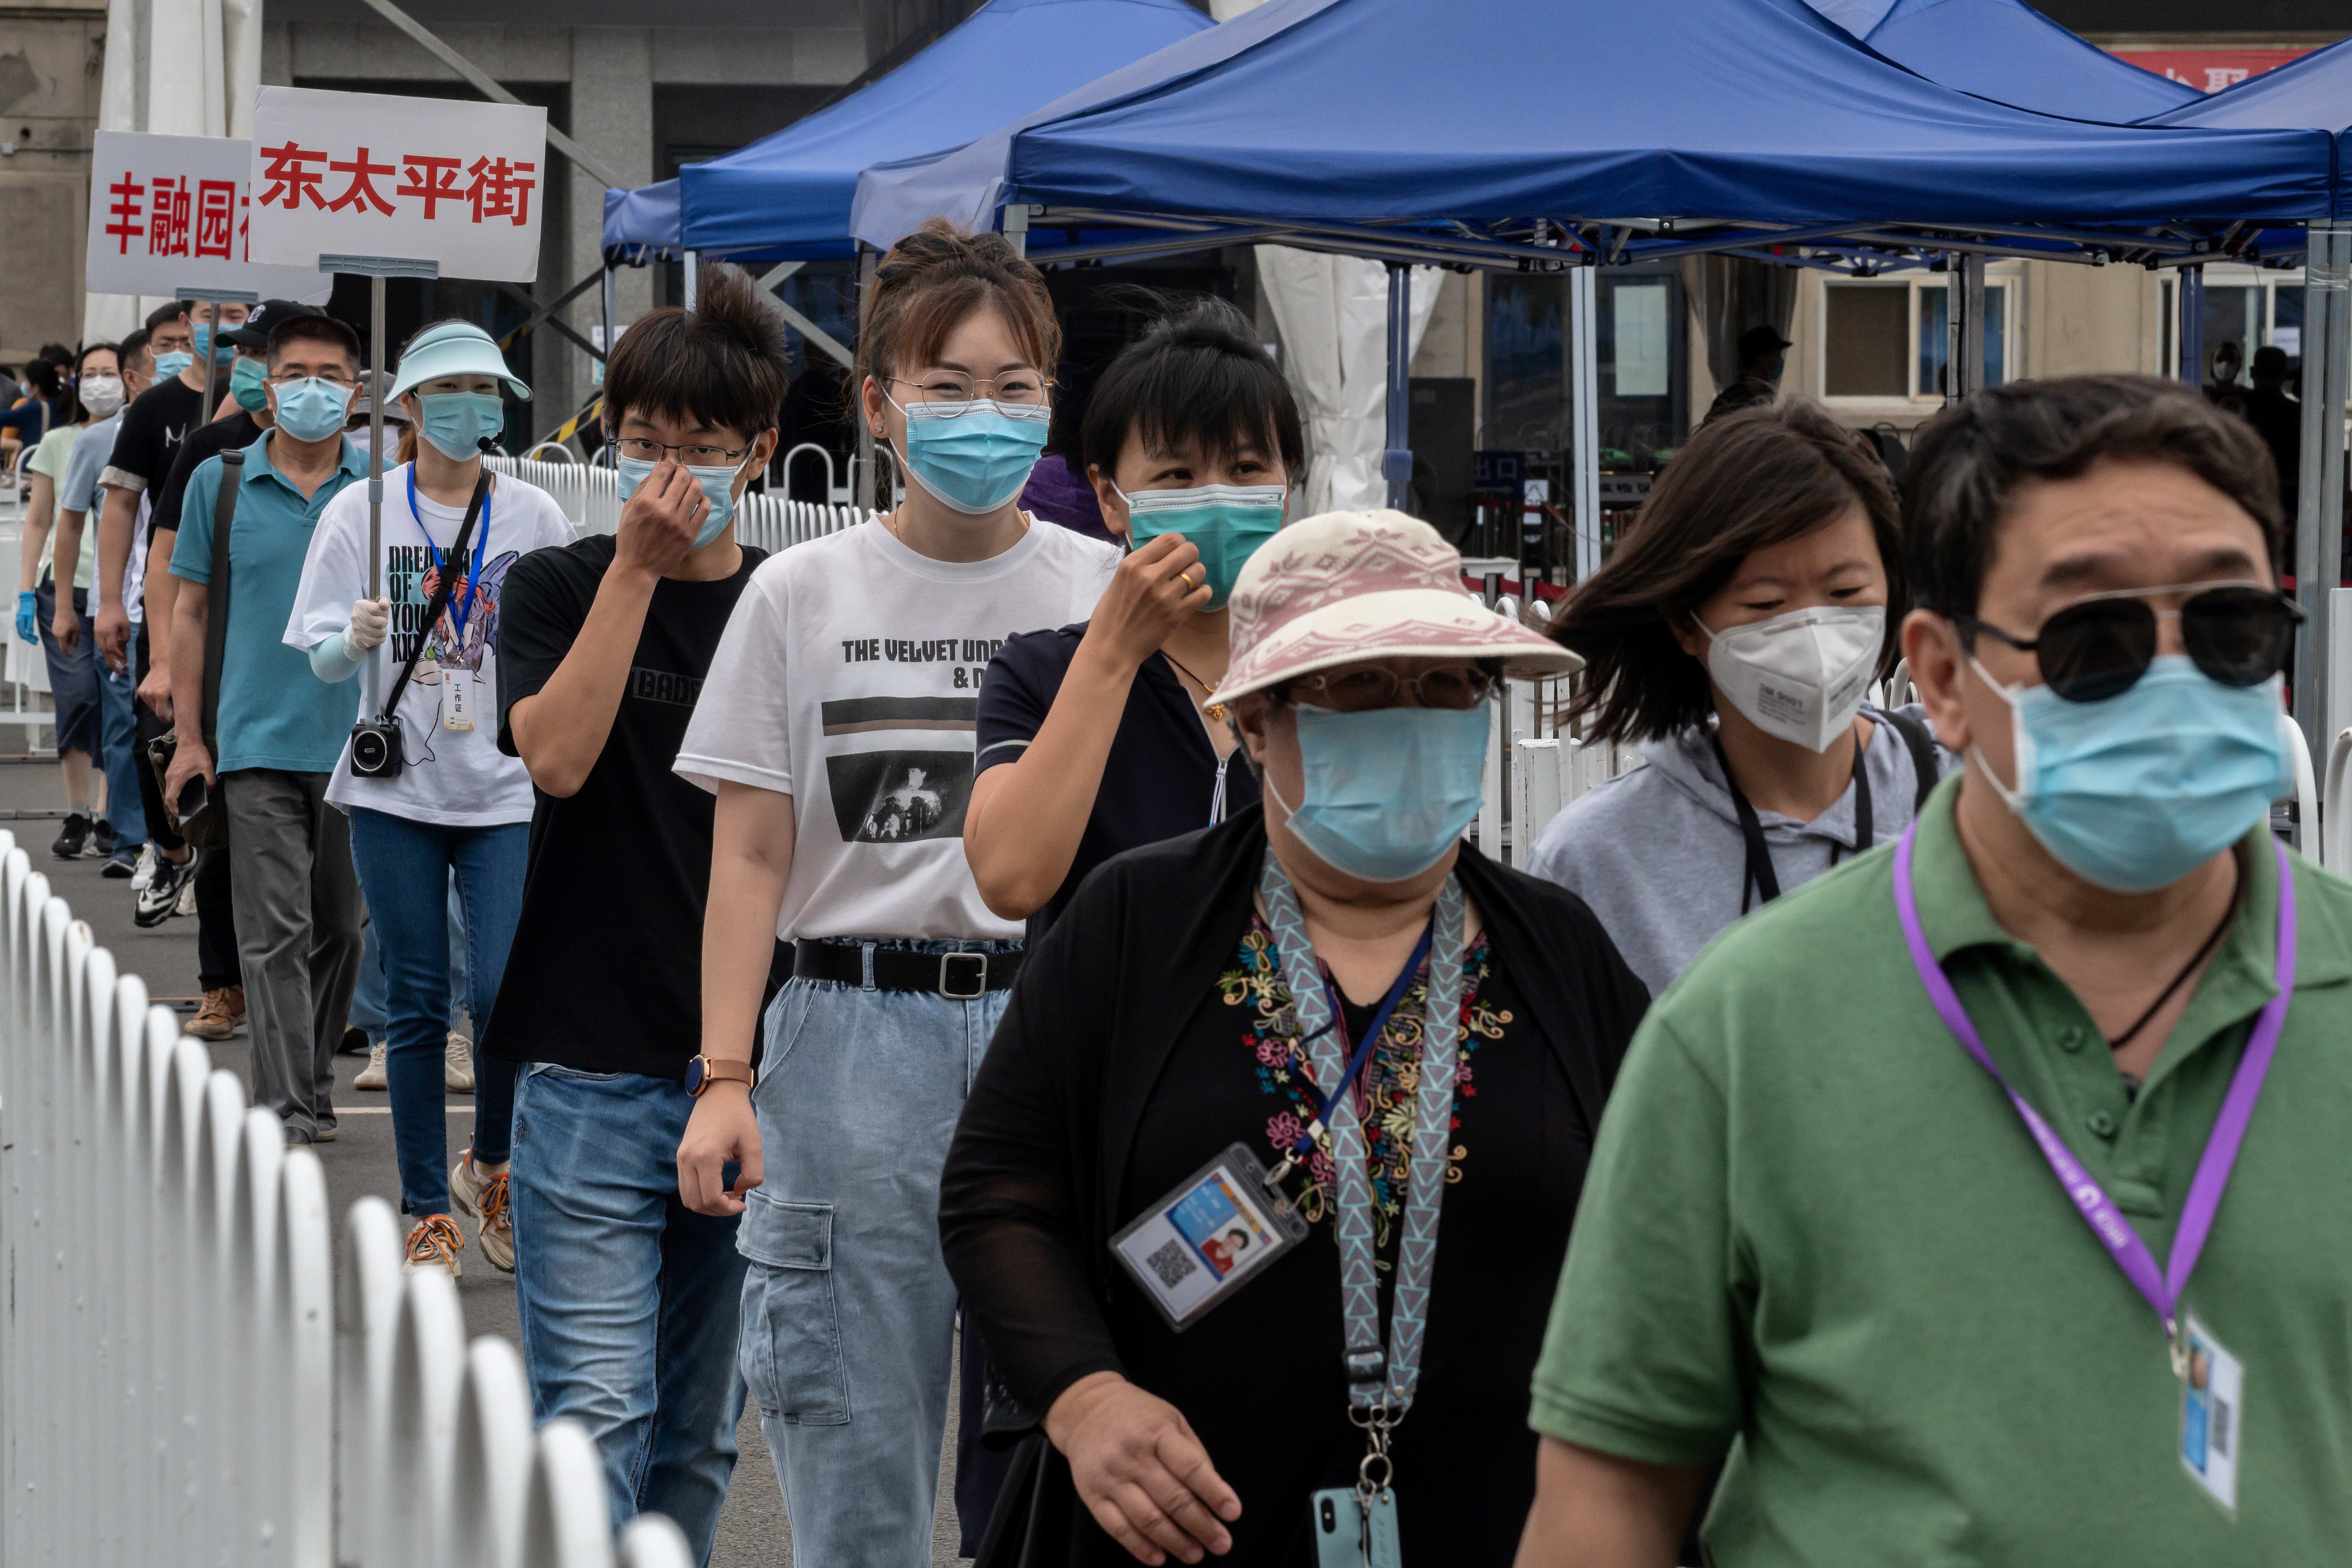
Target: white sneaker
187, 904
144, 872
457, 1065
372, 1076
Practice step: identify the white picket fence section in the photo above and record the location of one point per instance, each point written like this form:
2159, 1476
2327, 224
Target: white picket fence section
190, 1372
1536, 766
590, 497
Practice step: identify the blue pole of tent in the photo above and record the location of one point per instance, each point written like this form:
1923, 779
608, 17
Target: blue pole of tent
1396, 462
2193, 325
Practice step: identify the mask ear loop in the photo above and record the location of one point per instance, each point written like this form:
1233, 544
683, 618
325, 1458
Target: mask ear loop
2020, 743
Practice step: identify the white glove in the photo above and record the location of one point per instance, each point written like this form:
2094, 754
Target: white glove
370, 619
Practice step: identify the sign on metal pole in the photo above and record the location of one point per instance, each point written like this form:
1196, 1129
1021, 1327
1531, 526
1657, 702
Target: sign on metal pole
169, 216
370, 175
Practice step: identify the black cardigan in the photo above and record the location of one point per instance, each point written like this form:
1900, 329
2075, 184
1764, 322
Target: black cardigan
1027, 1199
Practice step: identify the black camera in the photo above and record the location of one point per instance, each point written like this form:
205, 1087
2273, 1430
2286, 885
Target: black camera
375, 747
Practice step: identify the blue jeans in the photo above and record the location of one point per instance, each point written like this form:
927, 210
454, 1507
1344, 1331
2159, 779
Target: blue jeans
371, 1012
404, 869
849, 1312
629, 1300
73, 678
119, 754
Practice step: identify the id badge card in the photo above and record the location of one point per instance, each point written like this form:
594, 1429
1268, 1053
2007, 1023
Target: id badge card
1349, 1535
456, 697
1209, 1236
2212, 1415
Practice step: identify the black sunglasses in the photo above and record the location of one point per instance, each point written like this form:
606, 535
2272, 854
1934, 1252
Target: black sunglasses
2238, 634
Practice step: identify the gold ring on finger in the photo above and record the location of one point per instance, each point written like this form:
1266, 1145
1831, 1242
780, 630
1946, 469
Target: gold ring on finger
1185, 577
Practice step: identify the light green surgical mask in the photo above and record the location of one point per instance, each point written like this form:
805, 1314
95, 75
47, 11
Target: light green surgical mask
1226, 523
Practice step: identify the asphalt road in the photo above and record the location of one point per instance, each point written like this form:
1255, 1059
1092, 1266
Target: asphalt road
753, 1532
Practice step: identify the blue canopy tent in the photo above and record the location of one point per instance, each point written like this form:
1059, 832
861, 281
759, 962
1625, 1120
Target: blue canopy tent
642, 223
2007, 51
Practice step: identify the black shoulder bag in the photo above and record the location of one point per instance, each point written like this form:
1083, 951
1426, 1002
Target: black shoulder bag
375, 742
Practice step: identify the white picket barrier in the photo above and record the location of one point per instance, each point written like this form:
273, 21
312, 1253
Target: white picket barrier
591, 497
189, 1374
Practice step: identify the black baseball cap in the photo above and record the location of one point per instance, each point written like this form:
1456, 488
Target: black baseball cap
1758, 341
253, 333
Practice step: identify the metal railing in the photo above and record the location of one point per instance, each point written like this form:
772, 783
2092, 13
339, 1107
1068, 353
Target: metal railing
591, 497
190, 1372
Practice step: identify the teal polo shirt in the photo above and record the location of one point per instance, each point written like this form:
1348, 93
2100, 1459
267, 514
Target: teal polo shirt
274, 711
1817, 1238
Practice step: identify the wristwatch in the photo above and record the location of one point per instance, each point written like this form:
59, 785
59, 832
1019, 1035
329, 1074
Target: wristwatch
704, 1071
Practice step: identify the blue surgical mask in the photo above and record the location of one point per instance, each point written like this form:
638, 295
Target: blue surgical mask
222, 353
172, 364
974, 457
1389, 790
456, 422
717, 484
1225, 523
247, 380
2135, 792
311, 409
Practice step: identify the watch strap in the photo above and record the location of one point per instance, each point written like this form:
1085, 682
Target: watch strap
724, 1070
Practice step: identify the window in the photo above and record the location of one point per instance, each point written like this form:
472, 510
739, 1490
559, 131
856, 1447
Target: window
2246, 309
1889, 340
1639, 354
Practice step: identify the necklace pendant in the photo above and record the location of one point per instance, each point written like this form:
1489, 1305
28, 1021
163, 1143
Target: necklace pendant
1215, 710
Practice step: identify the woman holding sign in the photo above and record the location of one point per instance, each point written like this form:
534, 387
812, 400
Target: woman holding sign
1250, 1063
440, 798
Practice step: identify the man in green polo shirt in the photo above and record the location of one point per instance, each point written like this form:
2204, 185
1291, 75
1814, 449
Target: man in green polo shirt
1820, 1243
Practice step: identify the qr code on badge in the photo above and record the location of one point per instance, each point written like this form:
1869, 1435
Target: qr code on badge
1171, 1263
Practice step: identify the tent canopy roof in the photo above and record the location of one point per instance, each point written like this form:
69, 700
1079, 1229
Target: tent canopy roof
2315, 92
1408, 113
2007, 51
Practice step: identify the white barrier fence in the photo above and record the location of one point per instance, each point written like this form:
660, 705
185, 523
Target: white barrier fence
590, 497
190, 1374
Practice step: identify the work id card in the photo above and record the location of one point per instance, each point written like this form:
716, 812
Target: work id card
2213, 1415
456, 697
1212, 1235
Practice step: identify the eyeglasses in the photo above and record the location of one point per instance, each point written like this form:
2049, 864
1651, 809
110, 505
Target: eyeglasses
1359, 690
1024, 386
2237, 633
332, 378
645, 451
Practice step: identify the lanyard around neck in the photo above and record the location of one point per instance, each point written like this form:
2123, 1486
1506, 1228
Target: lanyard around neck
2162, 1287
1759, 877
459, 612
1380, 1382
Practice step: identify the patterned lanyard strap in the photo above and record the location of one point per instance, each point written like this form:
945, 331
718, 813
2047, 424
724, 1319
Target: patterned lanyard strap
1381, 1386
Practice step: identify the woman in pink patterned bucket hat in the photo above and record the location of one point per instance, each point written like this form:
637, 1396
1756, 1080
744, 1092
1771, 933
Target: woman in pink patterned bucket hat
1360, 1023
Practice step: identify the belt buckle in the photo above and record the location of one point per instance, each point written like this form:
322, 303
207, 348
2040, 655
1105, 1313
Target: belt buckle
979, 976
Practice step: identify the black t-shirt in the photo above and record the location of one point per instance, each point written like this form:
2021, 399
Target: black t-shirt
154, 424
1277, 1425
237, 431
1161, 779
605, 971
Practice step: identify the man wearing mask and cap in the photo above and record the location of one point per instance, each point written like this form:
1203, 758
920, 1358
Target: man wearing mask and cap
1763, 356
278, 730
1997, 1170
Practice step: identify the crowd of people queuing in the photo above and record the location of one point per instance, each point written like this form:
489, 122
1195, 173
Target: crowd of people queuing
1071, 933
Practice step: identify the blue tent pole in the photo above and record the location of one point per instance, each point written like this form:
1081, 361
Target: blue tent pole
1396, 462
2192, 295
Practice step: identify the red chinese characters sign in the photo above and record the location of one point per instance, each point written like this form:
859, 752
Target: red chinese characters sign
2210, 71
369, 174
169, 213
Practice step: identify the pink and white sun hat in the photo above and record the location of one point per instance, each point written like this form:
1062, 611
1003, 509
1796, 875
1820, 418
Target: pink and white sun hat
1347, 586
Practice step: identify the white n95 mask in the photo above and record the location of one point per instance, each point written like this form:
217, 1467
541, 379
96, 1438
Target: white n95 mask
1800, 677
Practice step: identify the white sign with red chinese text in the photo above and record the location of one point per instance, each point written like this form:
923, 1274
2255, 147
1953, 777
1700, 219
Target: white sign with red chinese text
170, 213
420, 179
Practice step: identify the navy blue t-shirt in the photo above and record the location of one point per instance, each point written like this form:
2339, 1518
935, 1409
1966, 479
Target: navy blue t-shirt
1161, 779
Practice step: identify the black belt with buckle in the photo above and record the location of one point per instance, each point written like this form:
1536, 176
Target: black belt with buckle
958, 976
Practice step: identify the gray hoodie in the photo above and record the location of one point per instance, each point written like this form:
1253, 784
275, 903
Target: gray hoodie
1658, 855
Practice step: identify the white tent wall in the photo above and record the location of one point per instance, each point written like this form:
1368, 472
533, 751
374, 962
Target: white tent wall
1333, 312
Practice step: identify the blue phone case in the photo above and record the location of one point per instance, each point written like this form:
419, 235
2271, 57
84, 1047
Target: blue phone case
1340, 1531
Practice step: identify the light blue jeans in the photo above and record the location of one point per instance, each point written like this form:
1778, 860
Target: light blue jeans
119, 744
849, 1312
628, 1298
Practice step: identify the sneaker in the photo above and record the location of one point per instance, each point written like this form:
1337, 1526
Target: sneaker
73, 840
457, 1065
159, 900
372, 1076
435, 1243
187, 904
325, 1132
148, 861
485, 1198
102, 836
121, 863
221, 1016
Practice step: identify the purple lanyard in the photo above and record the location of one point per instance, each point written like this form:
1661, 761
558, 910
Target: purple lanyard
2162, 1287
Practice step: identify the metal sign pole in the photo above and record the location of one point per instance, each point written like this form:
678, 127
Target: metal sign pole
866, 491
2191, 293
376, 269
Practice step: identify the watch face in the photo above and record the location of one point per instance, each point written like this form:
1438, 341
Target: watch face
695, 1076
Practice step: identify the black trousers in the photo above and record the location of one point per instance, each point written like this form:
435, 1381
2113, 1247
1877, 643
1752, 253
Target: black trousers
216, 964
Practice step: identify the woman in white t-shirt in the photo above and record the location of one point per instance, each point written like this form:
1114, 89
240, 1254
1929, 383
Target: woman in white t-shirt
835, 726
453, 803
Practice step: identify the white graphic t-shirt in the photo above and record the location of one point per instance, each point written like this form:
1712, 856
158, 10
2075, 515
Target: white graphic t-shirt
849, 679
454, 777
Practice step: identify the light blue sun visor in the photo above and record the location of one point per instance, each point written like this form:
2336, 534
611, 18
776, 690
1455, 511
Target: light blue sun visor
453, 348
